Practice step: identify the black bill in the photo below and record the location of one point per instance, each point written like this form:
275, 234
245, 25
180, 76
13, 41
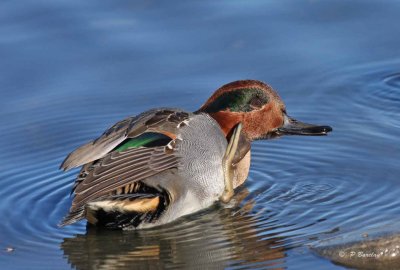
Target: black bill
294, 127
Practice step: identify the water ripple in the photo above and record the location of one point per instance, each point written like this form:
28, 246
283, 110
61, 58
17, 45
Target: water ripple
299, 189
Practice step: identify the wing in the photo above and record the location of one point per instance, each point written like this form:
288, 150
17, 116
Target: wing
114, 174
118, 169
165, 121
130, 151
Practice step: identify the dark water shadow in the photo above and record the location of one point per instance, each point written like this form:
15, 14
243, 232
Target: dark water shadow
213, 239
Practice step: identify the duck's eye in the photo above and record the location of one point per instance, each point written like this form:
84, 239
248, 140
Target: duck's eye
256, 103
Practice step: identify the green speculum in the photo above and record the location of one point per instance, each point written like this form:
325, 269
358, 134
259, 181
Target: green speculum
148, 139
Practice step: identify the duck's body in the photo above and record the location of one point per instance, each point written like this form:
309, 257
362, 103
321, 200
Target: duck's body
156, 184
165, 163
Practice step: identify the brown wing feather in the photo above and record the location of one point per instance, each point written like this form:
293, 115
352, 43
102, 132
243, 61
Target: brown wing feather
96, 149
119, 169
165, 121
105, 171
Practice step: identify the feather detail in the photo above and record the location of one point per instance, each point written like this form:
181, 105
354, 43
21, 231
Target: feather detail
121, 169
141, 205
164, 121
145, 201
116, 162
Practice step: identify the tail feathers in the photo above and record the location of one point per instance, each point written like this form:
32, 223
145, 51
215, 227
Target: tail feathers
138, 205
145, 205
116, 206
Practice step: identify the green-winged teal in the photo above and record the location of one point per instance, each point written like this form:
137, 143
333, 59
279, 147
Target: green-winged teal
165, 163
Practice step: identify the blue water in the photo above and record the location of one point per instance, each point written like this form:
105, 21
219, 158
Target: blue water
70, 69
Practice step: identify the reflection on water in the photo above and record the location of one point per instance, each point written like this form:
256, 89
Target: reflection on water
207, 240
71, 69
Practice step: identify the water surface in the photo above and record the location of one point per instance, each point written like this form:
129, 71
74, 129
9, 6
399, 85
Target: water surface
70, 69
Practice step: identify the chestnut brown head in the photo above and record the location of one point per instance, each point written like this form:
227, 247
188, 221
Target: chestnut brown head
259, 108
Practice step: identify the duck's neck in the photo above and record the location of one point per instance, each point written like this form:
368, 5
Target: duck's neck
227, 121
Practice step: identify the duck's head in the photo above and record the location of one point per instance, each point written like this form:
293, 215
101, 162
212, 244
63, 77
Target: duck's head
259, 108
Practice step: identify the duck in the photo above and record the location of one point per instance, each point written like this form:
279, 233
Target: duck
166, 163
